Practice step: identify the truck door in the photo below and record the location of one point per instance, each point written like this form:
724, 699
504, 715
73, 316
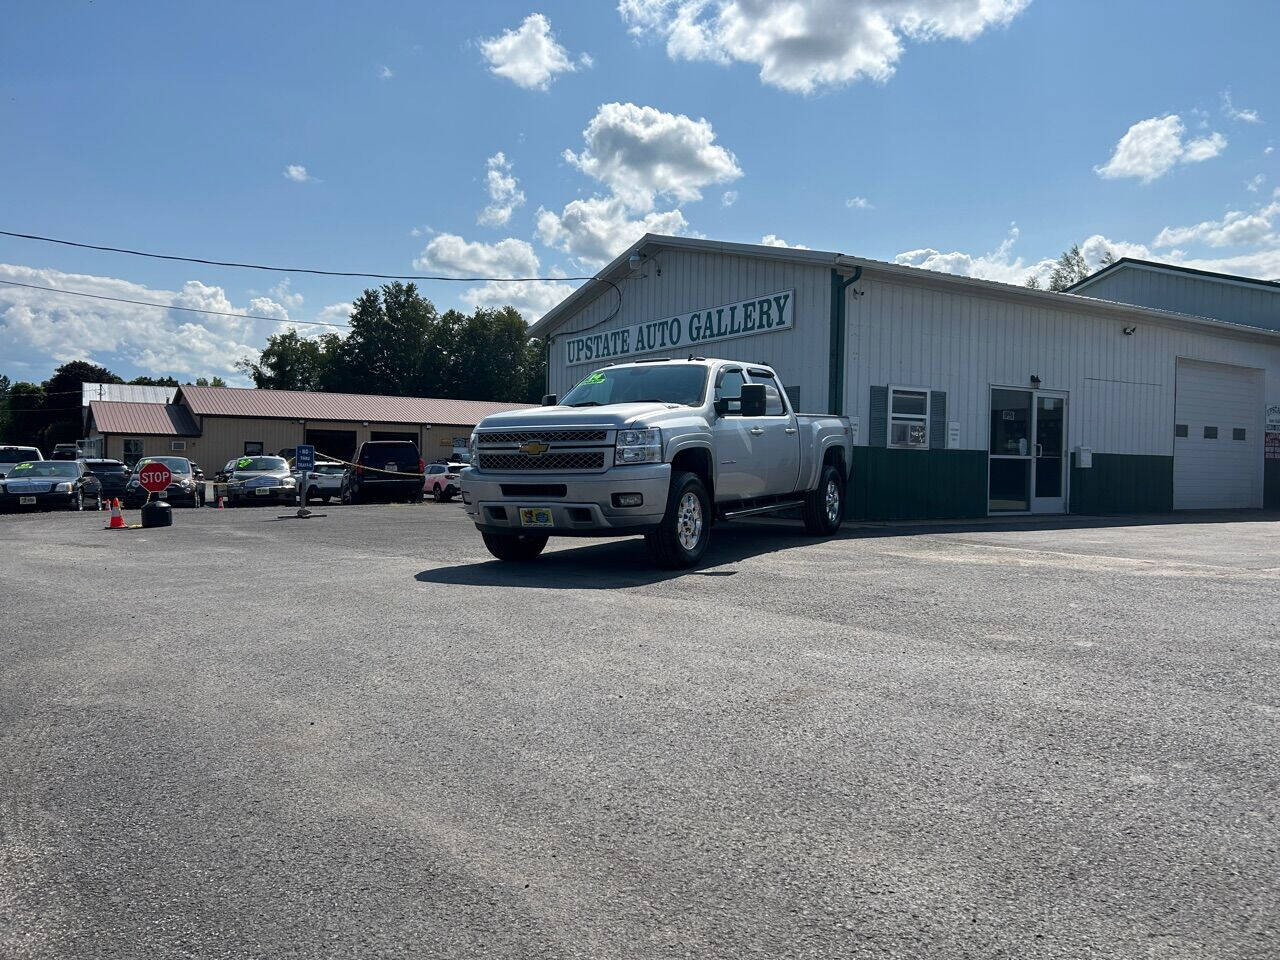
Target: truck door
777, 440
741, 470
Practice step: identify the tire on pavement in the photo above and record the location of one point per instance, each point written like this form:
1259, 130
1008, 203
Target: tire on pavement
685, 529
824, 505
515, 547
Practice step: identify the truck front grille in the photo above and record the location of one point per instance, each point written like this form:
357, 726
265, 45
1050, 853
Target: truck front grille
579, 460
545, 436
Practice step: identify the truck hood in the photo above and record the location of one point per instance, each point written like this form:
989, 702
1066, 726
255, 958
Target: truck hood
612, 416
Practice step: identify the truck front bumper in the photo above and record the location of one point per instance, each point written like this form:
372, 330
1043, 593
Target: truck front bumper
585, 509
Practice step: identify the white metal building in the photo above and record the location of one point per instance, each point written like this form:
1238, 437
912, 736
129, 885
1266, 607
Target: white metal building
968, 397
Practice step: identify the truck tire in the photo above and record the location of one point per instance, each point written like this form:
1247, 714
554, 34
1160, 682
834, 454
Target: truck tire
824, 506
685, 529
515, 547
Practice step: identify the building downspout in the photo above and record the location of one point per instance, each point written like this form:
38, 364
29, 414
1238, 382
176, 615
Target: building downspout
835, 379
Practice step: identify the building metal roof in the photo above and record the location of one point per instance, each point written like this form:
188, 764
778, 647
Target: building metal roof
619, 268
124, 392
304, 405
1134, 262
154, 419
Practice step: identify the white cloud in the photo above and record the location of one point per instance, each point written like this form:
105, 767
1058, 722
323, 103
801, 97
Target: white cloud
802, 45
385, 72
1236, 228
1254, 183
998, 265
505, 194
1238, 113
451, 255
859, 203
773, 240
529, 55
1269, 151
640, 152
728, 198
53, 328
335, 313
1150, 149
297, 173
531, 299
596, 230
1206, 148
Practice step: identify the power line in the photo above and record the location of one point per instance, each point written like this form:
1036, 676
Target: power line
260, 266
308, 270
170, 306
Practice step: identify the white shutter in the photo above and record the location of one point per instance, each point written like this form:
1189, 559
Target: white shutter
1219, 472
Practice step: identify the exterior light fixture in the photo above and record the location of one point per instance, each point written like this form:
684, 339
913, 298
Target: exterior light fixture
1035, 381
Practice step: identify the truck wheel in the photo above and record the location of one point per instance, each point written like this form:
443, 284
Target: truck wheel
824, 506
685, 529
515, 547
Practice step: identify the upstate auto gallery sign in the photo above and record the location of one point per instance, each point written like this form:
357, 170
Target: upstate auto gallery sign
767, 314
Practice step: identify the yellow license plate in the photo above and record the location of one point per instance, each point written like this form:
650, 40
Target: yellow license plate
535, 517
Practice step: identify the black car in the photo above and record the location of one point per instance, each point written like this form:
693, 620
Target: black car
11, 456
112, 475
384, 470
51, 484
184, 488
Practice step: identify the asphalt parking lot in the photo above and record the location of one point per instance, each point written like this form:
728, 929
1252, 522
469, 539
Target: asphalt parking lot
357, 735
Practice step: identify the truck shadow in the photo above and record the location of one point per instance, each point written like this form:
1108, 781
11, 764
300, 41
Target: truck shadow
610, 563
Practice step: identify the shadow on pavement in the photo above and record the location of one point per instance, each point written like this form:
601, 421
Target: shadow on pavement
625, 562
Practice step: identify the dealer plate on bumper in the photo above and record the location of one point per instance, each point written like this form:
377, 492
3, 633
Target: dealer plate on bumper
535, 516
26, 501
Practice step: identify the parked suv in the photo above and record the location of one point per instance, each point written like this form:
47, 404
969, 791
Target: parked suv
13, 455
384, 470
112, 475
443, 480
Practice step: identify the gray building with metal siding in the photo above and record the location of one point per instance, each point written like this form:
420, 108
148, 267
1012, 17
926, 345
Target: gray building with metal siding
1200, 293
969, 397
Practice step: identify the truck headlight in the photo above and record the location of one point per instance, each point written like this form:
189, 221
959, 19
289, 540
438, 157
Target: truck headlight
638, 446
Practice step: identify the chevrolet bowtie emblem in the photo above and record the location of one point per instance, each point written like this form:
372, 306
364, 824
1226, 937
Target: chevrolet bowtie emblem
534, 448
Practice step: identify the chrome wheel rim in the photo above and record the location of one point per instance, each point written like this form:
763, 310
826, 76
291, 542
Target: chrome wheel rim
833, 501
689, 521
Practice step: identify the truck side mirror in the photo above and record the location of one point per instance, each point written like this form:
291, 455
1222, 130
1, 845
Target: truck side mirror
550, 400
753, 400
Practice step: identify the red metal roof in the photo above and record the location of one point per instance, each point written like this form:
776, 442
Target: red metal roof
158, 419
303, 405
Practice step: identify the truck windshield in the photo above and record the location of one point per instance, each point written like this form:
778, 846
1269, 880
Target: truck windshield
661, 383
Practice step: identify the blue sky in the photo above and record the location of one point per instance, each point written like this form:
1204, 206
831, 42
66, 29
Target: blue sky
495, 138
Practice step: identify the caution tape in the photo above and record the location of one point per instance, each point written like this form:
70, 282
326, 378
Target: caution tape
392, 473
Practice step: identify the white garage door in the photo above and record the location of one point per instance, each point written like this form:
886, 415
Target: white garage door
1217, 445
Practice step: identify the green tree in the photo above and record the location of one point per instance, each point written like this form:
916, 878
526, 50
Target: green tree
26, 414
386, 349
64, 416
289, 361
207, 382
4, 407
154, 382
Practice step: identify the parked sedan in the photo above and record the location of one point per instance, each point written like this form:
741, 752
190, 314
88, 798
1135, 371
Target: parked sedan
183, 489
51, 484
261, 480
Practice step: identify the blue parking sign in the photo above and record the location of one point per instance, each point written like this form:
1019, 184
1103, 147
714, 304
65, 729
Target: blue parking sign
304, 457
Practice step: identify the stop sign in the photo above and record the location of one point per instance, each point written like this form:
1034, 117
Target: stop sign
155, 477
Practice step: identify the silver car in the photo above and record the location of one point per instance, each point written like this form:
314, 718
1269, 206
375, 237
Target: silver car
261, 480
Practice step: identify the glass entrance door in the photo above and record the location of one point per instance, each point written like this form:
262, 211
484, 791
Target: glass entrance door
1028, 451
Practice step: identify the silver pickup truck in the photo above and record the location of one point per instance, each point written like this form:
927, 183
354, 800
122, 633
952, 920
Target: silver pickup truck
662, 448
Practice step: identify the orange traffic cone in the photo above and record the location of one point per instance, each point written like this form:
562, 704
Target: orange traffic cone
117, 518
222, 502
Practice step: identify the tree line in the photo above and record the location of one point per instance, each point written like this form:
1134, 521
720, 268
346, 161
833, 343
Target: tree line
48, 413
400, 345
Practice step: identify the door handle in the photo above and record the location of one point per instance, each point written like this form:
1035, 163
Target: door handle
790, 430
756, 431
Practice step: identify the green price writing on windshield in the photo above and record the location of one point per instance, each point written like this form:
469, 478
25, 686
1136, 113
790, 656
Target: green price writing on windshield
597, 377
22, 466
243, 462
